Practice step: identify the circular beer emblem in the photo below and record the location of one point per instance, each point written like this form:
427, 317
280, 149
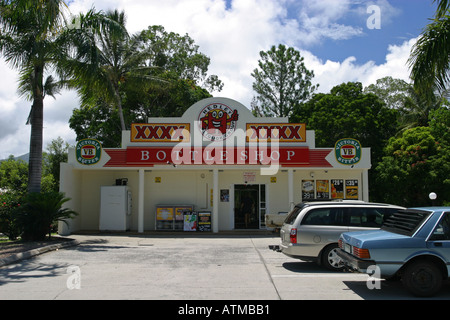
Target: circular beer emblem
88, 151
217, 121
348, 151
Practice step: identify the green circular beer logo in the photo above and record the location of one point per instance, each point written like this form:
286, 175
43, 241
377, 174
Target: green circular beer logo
348, 151
88, 151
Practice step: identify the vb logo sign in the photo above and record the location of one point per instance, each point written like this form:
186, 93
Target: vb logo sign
348, 151
88, 151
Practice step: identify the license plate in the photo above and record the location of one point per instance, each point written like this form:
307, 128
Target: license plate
347, 248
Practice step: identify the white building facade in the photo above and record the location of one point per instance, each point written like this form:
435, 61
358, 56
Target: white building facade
217, 162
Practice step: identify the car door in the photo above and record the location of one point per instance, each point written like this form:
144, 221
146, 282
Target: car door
439, 240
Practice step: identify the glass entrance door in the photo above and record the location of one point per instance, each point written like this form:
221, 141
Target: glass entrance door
249, 206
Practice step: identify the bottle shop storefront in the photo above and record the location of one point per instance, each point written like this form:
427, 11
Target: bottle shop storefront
216, 168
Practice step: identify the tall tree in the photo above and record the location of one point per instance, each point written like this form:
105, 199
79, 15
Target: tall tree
170, 57
394, 92
35, 39
430, 56
55, 155
414, 107
105, 61
348, 112
281, 81
415, 164
28, 43
178, 56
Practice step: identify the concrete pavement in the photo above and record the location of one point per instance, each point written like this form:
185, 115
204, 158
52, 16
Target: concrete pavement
192, 267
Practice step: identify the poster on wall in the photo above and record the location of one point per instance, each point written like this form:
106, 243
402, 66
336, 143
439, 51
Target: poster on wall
307, 189
204, 221
351, 189
337, 189
224, 195
323, 189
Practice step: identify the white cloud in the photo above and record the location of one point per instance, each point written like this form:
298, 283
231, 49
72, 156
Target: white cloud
321, 20
331, 73
231, 37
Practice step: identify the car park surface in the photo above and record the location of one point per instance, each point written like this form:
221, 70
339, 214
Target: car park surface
311, 230
413, 245
183, 268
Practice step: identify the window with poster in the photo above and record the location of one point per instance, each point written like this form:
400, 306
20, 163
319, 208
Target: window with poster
351, 189
307, 190
323, 189
337, 189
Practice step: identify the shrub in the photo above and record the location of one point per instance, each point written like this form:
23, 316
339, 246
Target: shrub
9, 207
40, 211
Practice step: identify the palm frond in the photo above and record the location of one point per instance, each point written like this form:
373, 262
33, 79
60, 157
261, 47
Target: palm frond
430, 57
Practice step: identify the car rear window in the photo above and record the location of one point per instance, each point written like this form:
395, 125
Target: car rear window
405, 222
293, 214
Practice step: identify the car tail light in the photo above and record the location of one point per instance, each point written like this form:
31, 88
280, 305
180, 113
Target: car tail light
293, 235
361, 253
340, 243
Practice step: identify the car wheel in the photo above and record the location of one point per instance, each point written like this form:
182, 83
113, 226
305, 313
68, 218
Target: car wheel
422, 278
330, 259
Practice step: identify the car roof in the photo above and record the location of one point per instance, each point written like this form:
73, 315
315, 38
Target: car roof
345, 202
432, 209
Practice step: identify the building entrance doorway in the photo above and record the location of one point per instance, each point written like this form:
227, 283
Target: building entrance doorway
249, 206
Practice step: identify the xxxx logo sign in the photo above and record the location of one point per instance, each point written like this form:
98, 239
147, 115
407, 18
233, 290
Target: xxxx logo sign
283, 132
174, 132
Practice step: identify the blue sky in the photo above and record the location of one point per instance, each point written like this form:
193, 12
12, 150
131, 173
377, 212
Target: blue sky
332, 36
405, 21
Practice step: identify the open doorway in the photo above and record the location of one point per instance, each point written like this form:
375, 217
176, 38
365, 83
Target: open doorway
249, 205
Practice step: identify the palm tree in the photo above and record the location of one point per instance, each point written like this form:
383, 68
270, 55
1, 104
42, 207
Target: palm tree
430, 56
34, 39
29, 28
105, 61
417, 107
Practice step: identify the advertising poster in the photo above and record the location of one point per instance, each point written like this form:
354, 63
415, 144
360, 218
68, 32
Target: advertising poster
204, 221
337, 189
351, 189
190, 221
224, 195
307, 189
179, 212
323, 189
164, 214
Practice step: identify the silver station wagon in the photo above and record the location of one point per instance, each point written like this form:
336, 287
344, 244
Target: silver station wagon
311, 230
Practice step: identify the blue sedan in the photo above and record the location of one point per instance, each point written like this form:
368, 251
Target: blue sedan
413, 244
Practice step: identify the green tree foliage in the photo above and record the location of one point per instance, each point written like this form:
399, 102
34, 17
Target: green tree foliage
175, 60
413, 106
56, 153
394, 92
430, 56
104, 61
440, 123
9, 207
28, 43
281, 82
416, 163
35, 39
40, 211
348, 112
177, 57
14, 175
